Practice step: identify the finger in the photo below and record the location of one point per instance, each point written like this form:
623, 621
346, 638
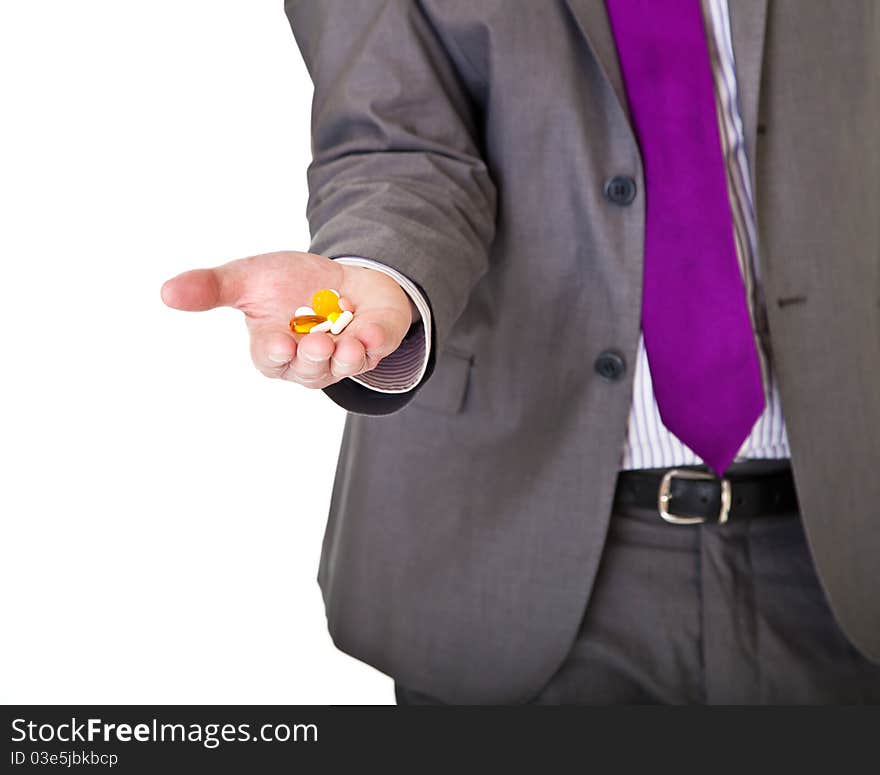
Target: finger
312, 361
272, 350
202, 289
374, 336
313, 383
349, 358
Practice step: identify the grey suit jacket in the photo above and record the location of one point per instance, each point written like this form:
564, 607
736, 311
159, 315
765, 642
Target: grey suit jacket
466, 143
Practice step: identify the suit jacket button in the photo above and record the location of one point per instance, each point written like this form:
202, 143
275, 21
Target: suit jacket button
620, 190
610, 365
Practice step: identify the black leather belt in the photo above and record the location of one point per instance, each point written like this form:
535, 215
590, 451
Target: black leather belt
687, 496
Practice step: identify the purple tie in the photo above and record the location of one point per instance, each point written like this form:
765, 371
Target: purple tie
695, 318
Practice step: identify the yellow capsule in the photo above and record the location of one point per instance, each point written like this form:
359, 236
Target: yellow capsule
302, 324
332, 316
324, 302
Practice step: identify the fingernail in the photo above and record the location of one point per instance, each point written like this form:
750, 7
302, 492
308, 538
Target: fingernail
279, 357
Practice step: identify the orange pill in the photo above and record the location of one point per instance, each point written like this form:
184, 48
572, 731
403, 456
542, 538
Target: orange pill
324, 302
302, 324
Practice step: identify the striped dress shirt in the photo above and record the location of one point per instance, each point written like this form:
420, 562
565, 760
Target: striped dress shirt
648, 443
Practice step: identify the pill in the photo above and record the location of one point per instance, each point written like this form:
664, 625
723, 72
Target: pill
321, 327
341, 322
302, 324
325, 301
303, 311
332, 316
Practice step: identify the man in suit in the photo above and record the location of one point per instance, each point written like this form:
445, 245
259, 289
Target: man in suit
566, 473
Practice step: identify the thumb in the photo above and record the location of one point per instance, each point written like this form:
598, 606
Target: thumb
201, 289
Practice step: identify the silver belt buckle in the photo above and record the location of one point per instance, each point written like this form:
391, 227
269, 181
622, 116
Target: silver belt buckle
664, 495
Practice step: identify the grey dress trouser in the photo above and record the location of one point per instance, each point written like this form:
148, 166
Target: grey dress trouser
714, 614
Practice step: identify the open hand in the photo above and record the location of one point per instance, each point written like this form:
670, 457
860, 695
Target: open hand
268, 288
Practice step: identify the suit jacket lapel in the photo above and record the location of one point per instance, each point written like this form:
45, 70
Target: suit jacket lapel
592, 19
747, 23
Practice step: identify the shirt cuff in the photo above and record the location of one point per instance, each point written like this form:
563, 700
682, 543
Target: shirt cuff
403, 369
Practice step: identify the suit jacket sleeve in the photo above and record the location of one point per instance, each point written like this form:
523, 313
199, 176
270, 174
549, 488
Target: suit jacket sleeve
397, 175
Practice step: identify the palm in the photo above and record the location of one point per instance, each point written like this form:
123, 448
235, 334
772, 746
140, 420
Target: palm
274, 285
268, 288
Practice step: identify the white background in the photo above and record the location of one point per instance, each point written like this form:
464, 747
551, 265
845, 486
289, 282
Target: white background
162, 503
